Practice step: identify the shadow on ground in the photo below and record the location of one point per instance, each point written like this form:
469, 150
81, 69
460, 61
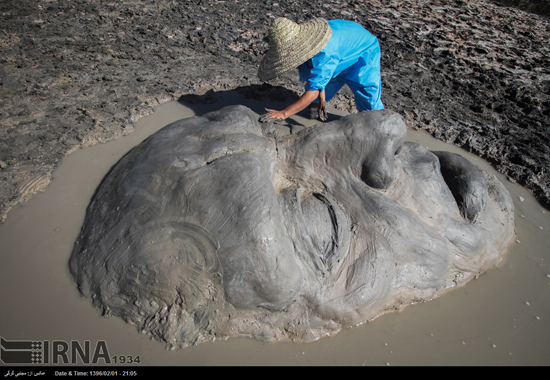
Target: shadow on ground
256, 97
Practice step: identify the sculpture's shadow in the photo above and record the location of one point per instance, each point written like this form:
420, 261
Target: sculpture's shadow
257, 97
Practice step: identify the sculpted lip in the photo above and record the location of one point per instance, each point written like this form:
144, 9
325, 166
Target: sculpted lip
320, 226
330, 249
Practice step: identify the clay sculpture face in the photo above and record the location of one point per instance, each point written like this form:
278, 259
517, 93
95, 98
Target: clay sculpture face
216, 227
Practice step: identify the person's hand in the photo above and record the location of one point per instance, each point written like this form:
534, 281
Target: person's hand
322, 106
276, 114
272, 116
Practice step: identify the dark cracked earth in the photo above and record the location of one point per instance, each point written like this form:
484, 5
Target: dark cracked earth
75, 73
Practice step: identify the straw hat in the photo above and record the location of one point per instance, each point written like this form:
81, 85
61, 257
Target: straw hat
292, 44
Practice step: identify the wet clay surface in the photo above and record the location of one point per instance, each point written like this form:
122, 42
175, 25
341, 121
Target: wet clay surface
501, 318
220, 226
76, 73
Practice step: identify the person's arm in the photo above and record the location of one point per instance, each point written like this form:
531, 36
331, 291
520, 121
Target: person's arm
305, 100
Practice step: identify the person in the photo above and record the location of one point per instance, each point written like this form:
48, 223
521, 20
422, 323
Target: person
328, 54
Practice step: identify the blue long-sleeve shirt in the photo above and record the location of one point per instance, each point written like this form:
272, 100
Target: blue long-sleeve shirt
349, 42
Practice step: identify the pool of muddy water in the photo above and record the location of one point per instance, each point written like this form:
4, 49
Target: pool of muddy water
501, 318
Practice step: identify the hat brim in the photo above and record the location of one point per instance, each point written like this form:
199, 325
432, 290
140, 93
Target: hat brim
312, 37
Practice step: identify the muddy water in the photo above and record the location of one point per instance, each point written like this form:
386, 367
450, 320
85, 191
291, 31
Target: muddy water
502, 318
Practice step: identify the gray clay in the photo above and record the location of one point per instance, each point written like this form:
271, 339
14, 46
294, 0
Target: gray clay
466, 182
215, 227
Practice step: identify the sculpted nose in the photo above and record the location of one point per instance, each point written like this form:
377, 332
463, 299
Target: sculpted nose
379, 172
363, 144
387, 132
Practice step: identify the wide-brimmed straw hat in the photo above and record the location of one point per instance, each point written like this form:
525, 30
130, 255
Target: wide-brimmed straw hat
291, 44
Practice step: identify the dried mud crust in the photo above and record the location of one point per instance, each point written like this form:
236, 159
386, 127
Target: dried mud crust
76, 73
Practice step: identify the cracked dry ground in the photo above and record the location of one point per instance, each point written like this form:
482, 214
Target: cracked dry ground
76, 73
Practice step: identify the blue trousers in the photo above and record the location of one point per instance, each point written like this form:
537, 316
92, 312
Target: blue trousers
364, 80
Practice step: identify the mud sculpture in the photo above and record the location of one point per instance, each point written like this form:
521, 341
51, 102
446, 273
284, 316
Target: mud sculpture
220, 226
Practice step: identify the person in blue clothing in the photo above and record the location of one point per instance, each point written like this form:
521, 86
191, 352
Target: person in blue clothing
328, 54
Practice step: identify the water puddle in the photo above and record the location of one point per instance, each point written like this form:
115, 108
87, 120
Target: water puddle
502, 318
